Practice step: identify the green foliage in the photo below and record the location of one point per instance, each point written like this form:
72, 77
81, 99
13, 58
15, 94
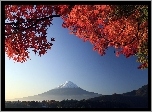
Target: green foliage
142, 55
143, 9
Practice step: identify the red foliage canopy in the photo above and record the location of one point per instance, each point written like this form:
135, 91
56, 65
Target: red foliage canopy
94, 23
97, 24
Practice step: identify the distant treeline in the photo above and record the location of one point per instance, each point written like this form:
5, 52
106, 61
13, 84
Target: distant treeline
105, 101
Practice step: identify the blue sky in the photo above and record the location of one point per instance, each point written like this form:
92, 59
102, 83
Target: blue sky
71, 59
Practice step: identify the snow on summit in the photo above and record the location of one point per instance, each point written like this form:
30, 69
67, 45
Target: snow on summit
68, 84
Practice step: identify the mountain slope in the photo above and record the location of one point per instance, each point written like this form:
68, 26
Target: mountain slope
62, 94
67, 90
129, 101
134, 99
143, 91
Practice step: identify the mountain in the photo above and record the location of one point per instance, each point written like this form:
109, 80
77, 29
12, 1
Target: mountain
143, 91
67, 90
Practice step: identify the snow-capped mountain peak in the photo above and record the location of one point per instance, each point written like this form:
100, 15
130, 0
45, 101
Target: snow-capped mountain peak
67, 84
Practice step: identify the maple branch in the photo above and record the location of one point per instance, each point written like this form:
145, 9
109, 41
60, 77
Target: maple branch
30, 20
100, 36
130, 41
137, 29
71, 7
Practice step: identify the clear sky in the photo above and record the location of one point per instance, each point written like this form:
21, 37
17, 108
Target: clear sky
71, 59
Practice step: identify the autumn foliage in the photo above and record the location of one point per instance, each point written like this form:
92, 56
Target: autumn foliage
123, 27
21, 35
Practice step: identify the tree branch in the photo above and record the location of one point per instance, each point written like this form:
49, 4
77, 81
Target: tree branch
31, 20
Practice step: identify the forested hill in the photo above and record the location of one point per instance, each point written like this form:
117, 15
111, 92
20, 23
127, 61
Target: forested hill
143, 91
134, 99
